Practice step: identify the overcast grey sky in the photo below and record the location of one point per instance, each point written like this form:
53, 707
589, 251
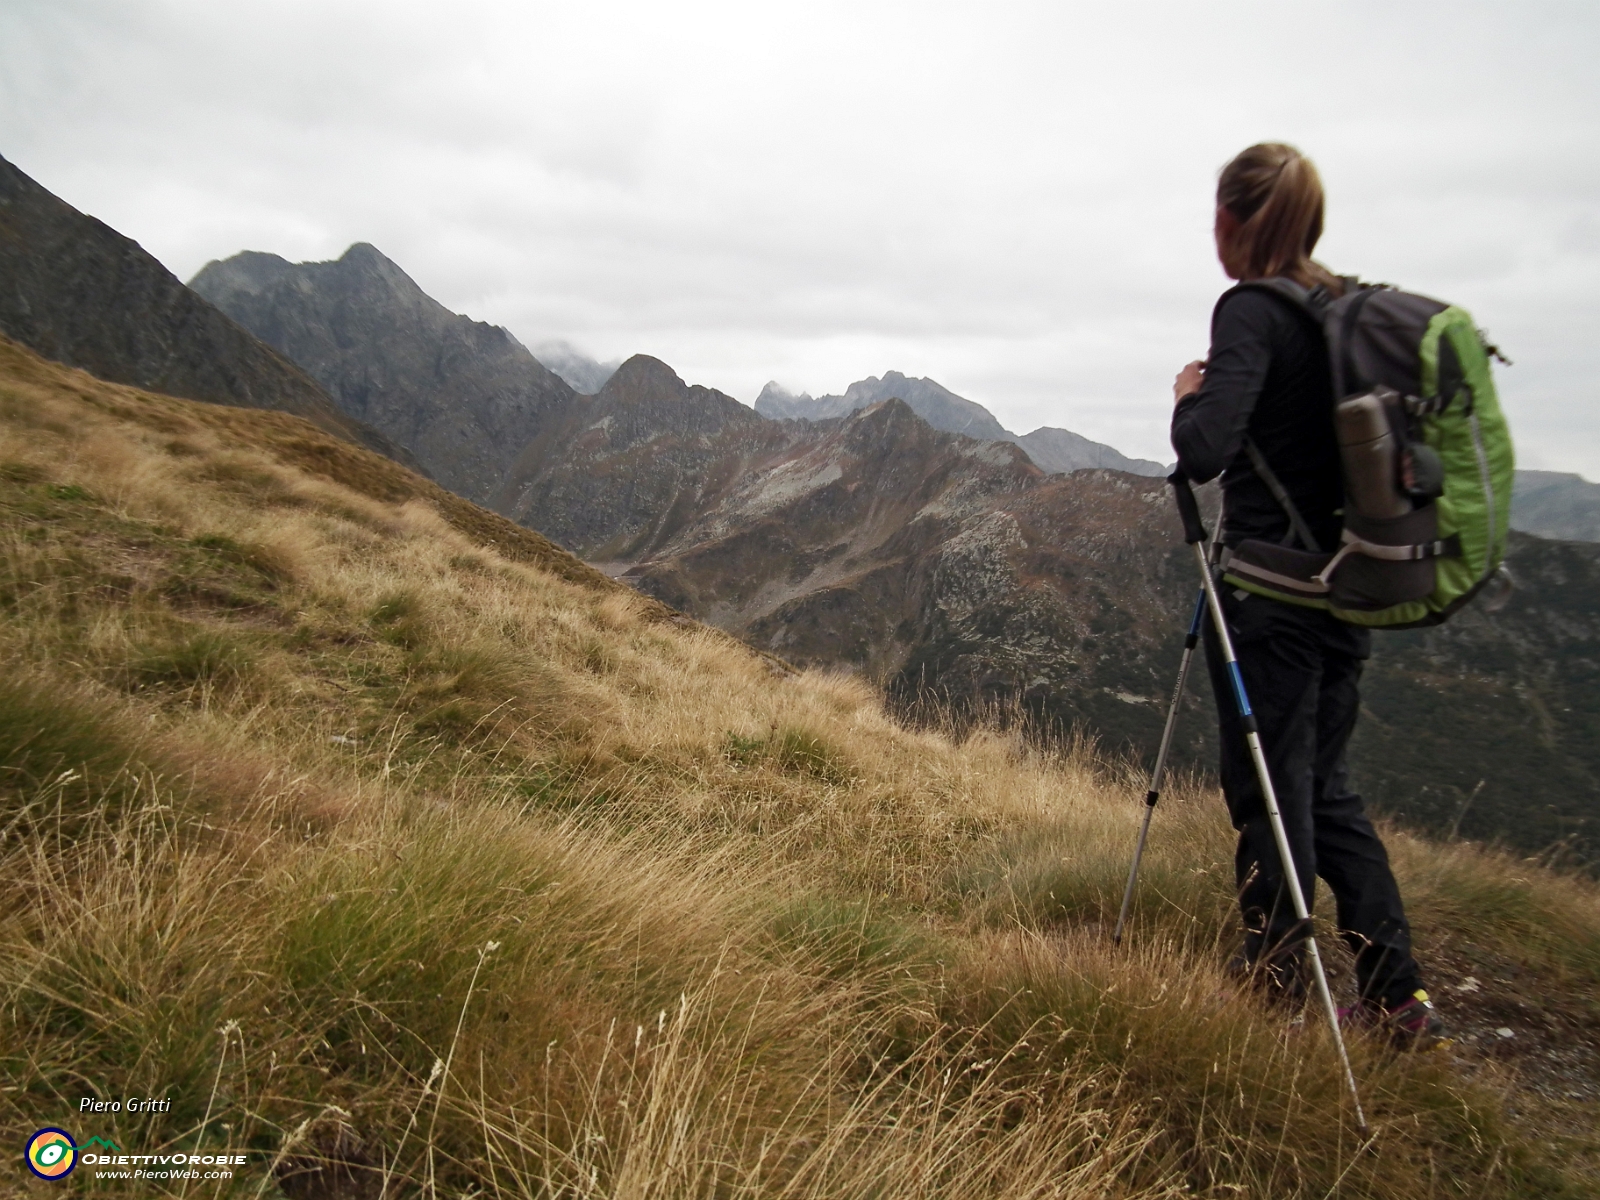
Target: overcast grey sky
1013, 198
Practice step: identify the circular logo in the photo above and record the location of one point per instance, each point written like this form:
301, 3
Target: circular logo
51, 1154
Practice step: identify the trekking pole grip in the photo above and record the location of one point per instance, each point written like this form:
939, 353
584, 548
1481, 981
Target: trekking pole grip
1194, 529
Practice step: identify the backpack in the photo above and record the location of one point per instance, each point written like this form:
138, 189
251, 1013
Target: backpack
1427, 461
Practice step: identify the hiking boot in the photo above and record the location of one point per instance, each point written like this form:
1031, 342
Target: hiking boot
1412, 1024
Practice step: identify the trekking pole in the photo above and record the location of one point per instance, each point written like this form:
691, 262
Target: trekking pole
1158, 774
1194, 533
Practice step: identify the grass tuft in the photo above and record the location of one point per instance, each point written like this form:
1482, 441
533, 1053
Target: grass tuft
399, 620
203, 656
795, 751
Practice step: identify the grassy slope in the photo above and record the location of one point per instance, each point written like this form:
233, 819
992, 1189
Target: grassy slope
377, 832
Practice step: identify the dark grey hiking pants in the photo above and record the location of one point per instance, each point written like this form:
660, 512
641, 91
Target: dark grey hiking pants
1301, 667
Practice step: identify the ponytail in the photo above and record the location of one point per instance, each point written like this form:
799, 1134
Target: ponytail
1276, 195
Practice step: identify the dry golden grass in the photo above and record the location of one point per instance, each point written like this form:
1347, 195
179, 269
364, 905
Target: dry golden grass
408, 854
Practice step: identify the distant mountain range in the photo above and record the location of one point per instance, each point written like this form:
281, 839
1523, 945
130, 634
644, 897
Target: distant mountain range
853, 533
1556, 505
467, 397
869, 540
1055, 451
75, 290
934, 403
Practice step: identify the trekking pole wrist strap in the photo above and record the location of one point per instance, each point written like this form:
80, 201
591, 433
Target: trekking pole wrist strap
1194, 529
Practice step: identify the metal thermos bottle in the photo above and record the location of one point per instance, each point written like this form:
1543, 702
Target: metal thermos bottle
1368, 447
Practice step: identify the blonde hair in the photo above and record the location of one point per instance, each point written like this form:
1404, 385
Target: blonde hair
1276, 194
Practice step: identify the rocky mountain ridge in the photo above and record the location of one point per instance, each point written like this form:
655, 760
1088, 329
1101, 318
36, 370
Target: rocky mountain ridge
1056, 451
1556, 504
75, 290
615, 475
930, 400
462, 395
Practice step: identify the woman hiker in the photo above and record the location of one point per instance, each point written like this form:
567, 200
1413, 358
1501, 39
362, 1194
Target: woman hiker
1267, 379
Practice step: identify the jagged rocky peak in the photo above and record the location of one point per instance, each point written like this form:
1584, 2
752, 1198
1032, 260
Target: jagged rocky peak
932, 401
367, 259
889, 420
249, 271
1054, 451
641, 377
367, 264
465, 396
362, 275
655, 400
1060, 451
779, 403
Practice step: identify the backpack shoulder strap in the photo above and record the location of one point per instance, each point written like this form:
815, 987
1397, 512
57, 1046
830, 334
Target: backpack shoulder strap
1312, 304
1297, 525
1335, 316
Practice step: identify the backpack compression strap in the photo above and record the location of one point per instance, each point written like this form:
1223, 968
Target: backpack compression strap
1448, 547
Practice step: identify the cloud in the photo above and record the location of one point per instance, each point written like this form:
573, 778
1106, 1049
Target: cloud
1012, 198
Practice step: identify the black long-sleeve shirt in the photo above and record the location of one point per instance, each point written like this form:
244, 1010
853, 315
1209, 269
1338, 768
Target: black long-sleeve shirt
1266, 376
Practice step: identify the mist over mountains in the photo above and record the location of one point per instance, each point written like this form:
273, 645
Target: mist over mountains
585, 374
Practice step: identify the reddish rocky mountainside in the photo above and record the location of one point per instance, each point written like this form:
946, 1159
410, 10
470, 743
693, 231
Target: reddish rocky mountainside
945, 566
942, 566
